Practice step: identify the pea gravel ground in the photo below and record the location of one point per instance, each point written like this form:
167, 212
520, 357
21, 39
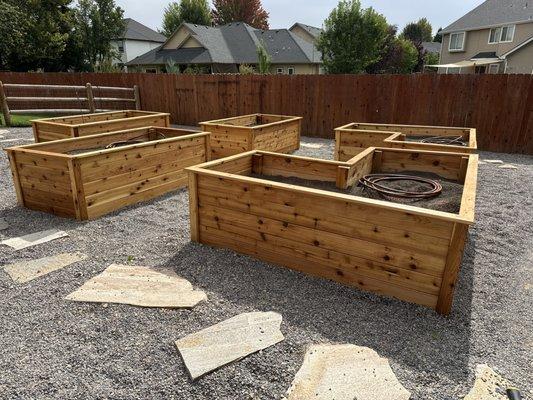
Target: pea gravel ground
52, 348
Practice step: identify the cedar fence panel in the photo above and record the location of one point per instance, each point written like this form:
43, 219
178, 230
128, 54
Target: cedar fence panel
500, 107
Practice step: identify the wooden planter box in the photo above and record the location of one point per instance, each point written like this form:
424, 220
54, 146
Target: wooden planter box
81, 179
235, 135
48, 129
353, 138
403, 251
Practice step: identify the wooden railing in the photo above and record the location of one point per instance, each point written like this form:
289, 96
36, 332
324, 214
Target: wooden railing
42, 99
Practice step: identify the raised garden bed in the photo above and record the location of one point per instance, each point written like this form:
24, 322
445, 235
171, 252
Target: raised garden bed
82, 178
48, 129
235, 135
399, 250
354, 138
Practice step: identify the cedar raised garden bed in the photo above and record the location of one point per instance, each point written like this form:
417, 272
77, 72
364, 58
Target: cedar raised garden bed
235, 135
398, 250
353, 138
48, 129
80, 178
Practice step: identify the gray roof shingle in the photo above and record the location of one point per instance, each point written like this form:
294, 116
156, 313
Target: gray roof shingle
432, 47
236, 43
137, 31
493, 13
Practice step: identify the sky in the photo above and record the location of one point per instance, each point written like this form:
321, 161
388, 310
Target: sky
284, 13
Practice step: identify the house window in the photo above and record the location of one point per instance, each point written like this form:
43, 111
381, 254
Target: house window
457, 41
494, 68
290, 70
502, 34
121, 48
151, 70
280, 70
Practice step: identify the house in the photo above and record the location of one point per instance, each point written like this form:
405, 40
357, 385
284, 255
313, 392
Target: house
306, 32
495, 37
223, 49
136, 40
432, 47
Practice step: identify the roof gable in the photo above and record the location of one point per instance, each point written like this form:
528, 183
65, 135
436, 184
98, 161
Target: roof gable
136, 31
493, 13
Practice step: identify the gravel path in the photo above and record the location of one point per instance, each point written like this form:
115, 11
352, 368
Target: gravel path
52, 348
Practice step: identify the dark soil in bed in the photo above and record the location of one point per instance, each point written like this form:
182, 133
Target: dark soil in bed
448, 201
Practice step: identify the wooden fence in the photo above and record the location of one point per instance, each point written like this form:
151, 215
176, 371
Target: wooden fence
499, 106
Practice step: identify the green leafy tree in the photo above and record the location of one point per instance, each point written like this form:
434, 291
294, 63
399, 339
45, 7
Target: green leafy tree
171, 67
97, 23
264, 59
431, 59
13, 28
248, 11
353, 38
192, 11
418, 32
438, 36
45, 28
399, 56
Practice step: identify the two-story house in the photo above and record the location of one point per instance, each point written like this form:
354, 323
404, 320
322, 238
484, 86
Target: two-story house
137, 39
223, 49
496, 37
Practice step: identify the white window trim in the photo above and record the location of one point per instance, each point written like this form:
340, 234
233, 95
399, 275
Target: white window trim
293, 71
462, 44
494, 65
280, 70
499, 39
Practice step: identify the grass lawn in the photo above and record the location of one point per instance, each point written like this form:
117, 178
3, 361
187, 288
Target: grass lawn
23, 120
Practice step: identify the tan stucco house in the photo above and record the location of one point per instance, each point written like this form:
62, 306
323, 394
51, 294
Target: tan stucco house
223, 49
496, 37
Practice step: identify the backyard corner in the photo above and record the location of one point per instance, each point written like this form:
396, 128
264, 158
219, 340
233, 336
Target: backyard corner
58, 348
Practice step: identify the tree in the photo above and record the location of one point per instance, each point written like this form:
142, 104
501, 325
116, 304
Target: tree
97, 23
438, 36
248, 11
353, 38
45, 28
264, 58
399, 56
192, 11
13, 27
418, 32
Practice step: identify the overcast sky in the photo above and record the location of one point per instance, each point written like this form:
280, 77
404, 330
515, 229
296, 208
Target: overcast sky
283, 13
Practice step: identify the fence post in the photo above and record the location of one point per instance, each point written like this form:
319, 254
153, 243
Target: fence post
90, 98
137, 97
4, 106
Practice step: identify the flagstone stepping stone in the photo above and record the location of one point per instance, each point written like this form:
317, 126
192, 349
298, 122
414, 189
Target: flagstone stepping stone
493, 161
507, 166
3, 224
488, 385
4, 131
32, 239
228, 341
138, 286
345, 372
27, 270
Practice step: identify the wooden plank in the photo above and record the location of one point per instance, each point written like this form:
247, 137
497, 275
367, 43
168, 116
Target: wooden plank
451, 271
194, 217
15, 175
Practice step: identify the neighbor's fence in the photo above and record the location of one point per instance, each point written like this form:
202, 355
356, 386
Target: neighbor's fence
24, 98
500, 107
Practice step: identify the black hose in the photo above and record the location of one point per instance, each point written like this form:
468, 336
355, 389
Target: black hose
373, 182
449, 140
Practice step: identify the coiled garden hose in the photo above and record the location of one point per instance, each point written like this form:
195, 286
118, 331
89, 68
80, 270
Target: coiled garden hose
374, 182
449, 140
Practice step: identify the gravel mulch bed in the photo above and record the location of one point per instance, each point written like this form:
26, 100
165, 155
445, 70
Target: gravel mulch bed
53, 348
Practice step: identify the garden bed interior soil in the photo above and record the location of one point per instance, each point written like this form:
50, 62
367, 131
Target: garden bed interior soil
448, 201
